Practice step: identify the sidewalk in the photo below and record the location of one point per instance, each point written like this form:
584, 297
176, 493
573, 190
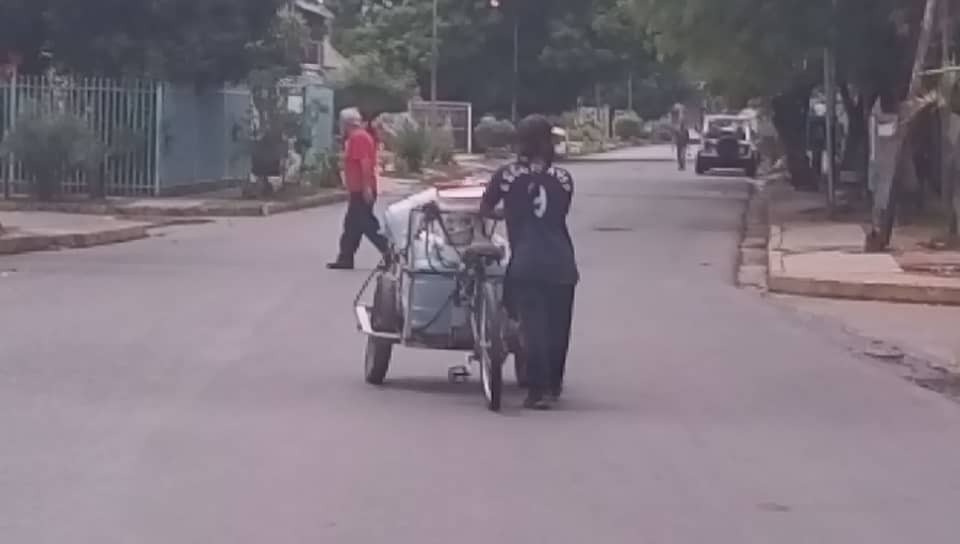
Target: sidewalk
809, 255
39, 231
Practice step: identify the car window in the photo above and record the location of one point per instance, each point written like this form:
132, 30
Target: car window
718, 127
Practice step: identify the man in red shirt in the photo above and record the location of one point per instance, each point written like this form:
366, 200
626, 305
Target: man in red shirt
360, 180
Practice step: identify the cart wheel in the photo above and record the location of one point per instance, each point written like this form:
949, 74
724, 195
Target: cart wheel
385, 317
377, 360
491, 347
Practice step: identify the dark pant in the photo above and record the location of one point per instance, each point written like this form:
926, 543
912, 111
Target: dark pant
546, 315
682, 156
359, 222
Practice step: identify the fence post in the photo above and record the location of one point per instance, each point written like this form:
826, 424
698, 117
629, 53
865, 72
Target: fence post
470, 129
158, 137
12, 117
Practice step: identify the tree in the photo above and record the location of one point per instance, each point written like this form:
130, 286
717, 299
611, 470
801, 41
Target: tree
273, 59
748, 48
373, 88
202, 42
773, 49
568, 49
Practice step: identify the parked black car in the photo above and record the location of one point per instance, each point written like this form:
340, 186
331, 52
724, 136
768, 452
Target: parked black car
728, 143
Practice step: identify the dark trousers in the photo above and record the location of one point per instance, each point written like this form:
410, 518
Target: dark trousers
546, 315
682, 156
359, 222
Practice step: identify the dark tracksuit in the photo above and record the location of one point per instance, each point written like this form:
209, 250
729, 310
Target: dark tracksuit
542, 274
359, 221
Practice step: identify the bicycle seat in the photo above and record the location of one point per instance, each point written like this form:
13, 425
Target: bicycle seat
483, 250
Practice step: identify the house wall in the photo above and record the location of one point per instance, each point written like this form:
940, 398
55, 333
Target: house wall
203, 138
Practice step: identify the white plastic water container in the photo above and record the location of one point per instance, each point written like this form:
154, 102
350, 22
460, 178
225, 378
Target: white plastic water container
396, 218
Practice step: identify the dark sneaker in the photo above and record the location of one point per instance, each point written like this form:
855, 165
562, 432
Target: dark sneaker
536, 401
340, 265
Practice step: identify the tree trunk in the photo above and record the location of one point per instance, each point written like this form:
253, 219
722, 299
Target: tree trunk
878, 238
952, 194
790, 110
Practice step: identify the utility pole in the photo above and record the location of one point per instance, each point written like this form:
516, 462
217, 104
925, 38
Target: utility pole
516, 58
630, 90
516, 64
881, 229
434, 65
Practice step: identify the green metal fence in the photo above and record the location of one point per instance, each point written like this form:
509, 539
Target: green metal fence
156, 138
123, 115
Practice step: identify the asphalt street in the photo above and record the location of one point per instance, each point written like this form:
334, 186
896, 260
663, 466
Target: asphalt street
205, 386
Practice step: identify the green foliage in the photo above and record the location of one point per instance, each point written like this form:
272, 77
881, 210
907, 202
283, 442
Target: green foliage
568, 49
202, 42
412, 145
325, 172
628, 127
442, 144
275, 57
372, 87
748, 48
52, 146
494, 134
588, 133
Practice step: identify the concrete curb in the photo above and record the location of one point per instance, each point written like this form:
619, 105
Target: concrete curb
211, 209
779, 281
879, 291
26, 243
752, 258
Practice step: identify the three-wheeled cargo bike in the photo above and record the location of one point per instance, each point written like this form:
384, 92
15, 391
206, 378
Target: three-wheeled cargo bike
441, 288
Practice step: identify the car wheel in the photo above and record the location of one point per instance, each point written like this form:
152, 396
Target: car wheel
751, 170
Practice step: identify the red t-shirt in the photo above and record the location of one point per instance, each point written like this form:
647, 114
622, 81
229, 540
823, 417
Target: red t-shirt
360, 148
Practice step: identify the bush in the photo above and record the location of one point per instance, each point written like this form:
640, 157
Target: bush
662, 133
324, 170
412, 145
628, 128
588, 133
442, 144
492, 134
53, 146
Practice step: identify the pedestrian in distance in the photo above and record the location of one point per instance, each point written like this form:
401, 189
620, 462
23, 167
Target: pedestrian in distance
542, 274
360, 181
681, 140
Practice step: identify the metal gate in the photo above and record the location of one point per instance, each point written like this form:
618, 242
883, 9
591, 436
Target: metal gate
460, 115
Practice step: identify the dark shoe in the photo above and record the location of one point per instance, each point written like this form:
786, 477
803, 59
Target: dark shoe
553, 396
536, 401
340, 265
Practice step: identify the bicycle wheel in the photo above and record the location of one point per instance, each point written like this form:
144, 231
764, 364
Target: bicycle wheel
490, 346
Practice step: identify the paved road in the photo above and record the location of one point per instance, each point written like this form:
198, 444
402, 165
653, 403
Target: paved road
204, 387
